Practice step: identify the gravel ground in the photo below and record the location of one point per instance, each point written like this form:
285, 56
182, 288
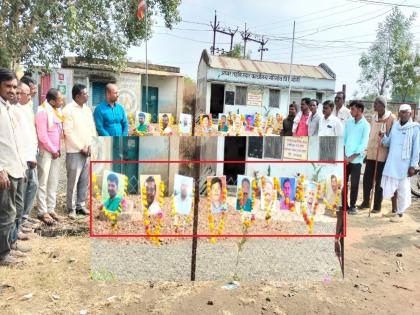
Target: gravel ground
261, 259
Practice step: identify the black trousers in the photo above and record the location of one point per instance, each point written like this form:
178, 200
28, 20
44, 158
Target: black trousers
368, 181
353, 171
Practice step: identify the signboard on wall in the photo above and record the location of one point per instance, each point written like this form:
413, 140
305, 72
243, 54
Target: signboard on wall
296, 148
255, 97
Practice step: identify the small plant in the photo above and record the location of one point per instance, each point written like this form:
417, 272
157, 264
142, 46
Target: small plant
102, 275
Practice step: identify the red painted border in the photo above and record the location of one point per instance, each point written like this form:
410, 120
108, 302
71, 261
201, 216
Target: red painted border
344, 234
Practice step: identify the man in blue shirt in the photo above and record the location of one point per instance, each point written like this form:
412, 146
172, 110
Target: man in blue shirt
356, 137
403, 157
110, 117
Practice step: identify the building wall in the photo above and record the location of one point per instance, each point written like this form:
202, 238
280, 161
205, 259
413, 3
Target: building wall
283, 108
168, 95
203, 97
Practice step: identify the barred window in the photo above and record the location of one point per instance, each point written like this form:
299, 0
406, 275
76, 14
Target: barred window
295, 97
255, 147
273, 147
274, 98
241, 95
327, 148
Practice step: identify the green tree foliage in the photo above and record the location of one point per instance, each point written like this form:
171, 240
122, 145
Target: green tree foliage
405, 77
238, 52
42, 32
378, 64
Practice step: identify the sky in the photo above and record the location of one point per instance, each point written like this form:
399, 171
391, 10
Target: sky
334, 32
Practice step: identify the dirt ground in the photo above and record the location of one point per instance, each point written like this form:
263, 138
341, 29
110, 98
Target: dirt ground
382, 275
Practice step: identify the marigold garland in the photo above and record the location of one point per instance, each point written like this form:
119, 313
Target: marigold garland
170, 124
210, 217
266, 202
111, 215
153, 235
333, 207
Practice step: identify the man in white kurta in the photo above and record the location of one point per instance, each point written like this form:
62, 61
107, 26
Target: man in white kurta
403, 142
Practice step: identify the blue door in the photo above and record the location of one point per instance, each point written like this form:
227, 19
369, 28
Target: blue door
98, 93
127, 149
152, 106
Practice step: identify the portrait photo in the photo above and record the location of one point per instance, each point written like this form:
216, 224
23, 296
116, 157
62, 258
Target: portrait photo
206, 123
217, 197
113, 186
310, 196
223, 125
143, 122
183, 194
288, 187
150, 184
333, 190
244, 193
165, 123
249, 122
268, 194
185, 124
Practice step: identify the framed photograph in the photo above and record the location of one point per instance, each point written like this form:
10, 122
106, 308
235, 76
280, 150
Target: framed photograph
310, 195
216, 187
268, 193
333, 190
288, 187
185, 124
223, 125
206, 123
150, 185
143, 122
183, 194
165, 123
113, 189
244, 193
249, 122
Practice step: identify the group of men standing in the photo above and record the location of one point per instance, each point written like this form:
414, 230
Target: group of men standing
308, 122
390, 149
31, 144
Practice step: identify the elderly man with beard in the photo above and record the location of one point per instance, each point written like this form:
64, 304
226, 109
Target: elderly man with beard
403, 157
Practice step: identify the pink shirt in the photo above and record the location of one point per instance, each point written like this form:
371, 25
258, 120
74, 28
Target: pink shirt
302, 128
48, 138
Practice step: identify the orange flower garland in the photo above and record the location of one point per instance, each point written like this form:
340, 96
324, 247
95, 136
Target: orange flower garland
147, 218
267, 203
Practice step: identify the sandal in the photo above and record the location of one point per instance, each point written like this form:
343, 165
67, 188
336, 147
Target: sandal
54, 216
47, 219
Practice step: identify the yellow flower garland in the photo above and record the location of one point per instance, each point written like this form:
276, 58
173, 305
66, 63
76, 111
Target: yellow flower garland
153, 235
266, 202
210, 216
111, 215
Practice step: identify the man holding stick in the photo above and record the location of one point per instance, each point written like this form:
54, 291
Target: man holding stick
376, 156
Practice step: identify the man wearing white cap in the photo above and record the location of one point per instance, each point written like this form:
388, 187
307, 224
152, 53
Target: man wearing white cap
403, 142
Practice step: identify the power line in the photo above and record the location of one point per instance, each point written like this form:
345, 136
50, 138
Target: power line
347, 24
298, 17
386, 3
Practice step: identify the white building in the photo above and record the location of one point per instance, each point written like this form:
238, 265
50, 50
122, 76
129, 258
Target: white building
226, 84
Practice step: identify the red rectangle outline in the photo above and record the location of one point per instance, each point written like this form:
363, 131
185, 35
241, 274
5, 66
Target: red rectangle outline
344, 234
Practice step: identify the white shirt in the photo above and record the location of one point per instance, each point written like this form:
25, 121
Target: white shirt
30, 136
12, 156
79, 127
331, 126
343, 114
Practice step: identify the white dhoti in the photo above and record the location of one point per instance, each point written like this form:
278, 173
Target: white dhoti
391, 185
